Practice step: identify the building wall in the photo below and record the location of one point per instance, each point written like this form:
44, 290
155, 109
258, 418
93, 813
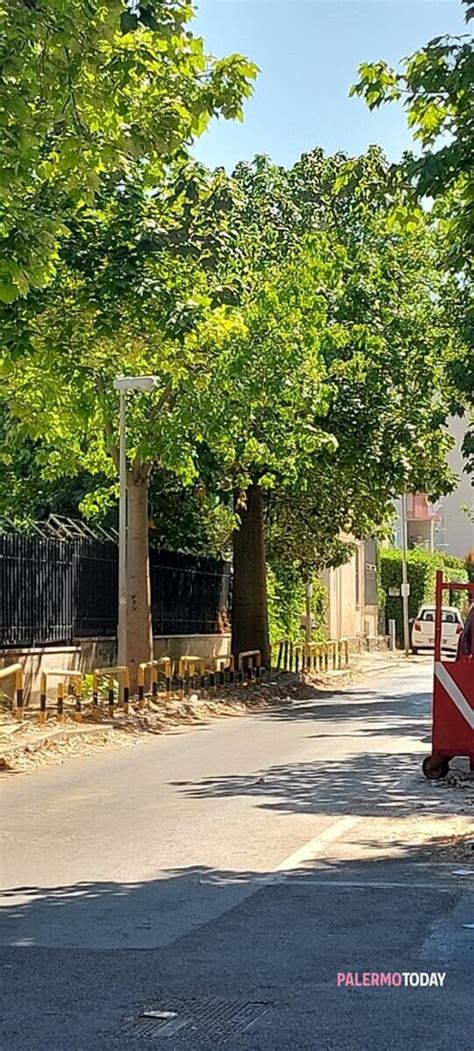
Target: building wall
456, 531
349, 615
420, 534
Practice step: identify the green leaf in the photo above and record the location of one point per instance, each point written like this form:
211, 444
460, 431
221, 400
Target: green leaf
128, 22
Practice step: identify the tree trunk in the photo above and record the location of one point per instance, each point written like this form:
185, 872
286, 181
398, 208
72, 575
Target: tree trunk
139, 625
249, 603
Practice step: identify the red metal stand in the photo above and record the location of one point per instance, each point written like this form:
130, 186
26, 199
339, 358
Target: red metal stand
453, 691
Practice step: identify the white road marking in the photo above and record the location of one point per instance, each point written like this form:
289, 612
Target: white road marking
314, 846
362, 884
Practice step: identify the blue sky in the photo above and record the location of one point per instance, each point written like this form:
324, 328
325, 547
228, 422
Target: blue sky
308, 52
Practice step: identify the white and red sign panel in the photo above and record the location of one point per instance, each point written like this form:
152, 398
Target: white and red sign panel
453, 708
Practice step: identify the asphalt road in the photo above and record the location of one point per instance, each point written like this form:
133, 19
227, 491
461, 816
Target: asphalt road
222, 877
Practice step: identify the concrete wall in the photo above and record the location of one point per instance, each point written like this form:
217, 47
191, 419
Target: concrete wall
88, 654
348, 614
456, 532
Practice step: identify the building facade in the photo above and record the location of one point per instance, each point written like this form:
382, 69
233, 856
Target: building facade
352, 595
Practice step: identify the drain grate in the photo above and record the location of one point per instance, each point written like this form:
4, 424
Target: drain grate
202, 1020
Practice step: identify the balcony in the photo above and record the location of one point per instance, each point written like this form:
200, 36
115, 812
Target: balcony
420, 510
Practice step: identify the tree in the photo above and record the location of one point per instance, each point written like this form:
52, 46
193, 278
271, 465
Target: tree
98, 106
331, 397
87, 89
436, 85
129, 297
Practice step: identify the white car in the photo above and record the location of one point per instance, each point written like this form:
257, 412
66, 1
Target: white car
423, 629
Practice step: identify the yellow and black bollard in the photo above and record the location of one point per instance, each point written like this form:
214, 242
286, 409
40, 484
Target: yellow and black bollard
141, 685
111, 695
78, 706
95, 696
42, 711
126, 690
19, 694
60, 702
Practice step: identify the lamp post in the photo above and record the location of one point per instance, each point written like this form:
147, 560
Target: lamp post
123, 384
405, 589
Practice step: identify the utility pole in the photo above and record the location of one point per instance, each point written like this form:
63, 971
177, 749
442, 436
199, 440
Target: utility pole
122, 384
308, 618
405, 589
122, 610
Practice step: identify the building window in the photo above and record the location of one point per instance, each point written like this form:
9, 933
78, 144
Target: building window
370, 574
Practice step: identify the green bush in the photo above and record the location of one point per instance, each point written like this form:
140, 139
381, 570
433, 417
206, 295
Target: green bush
422, 566
287, 604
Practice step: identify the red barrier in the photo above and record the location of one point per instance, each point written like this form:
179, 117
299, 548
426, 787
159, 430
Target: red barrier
453, 691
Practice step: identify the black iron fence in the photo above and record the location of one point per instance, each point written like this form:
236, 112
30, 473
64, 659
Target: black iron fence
52, 591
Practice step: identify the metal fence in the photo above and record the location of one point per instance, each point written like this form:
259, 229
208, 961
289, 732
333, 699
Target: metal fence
52, 591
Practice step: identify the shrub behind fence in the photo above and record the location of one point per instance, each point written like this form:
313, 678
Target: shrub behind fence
52, 591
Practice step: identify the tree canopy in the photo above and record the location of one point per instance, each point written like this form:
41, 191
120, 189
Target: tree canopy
86, 91
436, 86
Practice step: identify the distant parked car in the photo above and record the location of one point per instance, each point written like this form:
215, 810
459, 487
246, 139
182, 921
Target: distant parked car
423, 629
465, 647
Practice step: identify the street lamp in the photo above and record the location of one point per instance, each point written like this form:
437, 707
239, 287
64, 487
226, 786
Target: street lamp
405, 588
123, 384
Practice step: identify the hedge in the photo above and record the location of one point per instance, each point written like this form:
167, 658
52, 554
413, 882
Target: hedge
421, 566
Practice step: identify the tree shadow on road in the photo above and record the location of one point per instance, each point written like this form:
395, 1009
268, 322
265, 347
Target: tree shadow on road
367, 783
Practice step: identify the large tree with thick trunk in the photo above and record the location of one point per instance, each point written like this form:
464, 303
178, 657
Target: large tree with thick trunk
100, 232
332, 384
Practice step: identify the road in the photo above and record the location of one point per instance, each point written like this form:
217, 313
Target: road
224, 875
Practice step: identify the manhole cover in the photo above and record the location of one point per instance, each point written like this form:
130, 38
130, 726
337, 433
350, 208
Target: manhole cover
208, 1019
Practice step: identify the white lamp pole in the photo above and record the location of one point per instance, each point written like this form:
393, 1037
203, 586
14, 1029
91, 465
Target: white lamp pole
123, 384
405, 585
122, 572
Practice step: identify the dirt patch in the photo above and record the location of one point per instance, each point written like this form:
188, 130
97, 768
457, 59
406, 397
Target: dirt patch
26, 746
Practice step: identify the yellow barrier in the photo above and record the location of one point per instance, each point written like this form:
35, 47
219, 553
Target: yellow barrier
249, 655
17, 671
66, 674
109, 673
164, 663
313, 656
187, 666
225, 663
